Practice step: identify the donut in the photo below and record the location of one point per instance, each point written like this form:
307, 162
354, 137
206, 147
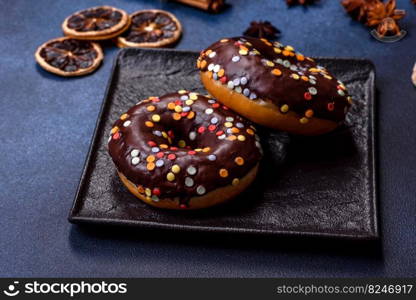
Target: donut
273, 85
184, 150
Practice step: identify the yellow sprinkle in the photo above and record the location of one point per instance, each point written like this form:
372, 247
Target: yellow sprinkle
149, 124
151, 108
289, 48
170, 176
221, 72
164, 134
235, 181
171, 105
189, 102
303, 120
182, 144
349, 99
284, 108
243, 52
176, 116
124, 116
206, 149
232, 138
250, 131
228, 124
309, 113
182, 92
198, 149
241, 138
114, 130
276, 72
223, 173
270, 63
163, 146
176, 169
224, 40
150, 166
277, 50
155, 118
178, 108
239, 160
148, 192
295, 76
150, 158
208, 52
193, 96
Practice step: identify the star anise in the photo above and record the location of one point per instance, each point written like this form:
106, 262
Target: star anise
301, 2
380, 11
358, 9
262, 29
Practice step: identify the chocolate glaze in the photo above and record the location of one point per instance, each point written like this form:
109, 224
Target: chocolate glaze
200, 126
328, 100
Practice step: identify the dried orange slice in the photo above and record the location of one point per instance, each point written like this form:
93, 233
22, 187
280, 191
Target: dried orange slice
69, 57
151, 29
96, 23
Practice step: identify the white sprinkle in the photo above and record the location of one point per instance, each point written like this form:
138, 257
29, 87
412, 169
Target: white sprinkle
246, 92
215, 76
229, 130
186, 109
236, 81
341, 93
191, 170
109, 138
212, 101
243, 80
159, 163
238, 89
253, 96
214, 120
313, 90
221, 137
239, 125
293, 67
312, 81
184, 97
212, 157
155, 149
135, 160
312, 77
192, 135
236, 58
216, 68
257, 138
258, 145
230, 85
127, 123
157, 133
286, 63
134, 152
209, 111
229, 119
211, 67
212, 54
200, 190
189, 181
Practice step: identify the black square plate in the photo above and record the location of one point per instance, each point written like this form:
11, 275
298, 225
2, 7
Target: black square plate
325, 187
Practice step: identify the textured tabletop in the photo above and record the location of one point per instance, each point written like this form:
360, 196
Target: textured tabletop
47, 123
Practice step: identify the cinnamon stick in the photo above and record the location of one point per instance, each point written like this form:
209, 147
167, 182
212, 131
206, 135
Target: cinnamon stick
207, 5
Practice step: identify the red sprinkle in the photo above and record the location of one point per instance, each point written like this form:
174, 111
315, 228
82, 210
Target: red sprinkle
183, 206
116, 135
151, 143
331, 106
156, 192
192, 152
223, 79
307, 96
212, 127
219, 133
215, 105
178, 102
156, 99
184, 114
225, 107
171, 134
174, 148
171, 156
201, 129
160, 154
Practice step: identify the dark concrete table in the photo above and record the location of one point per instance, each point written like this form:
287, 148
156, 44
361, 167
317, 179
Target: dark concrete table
47, 123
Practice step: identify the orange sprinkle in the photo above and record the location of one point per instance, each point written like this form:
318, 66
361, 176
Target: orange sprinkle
208, 52
235, 130
232, 138
151, 108
114, 130
286, 52
149, 124
309, 113
300, 57
206, 149
191, 115
223, 173
203, 64
276, 72
239, 160
140, 189
198, 63
209, 74
221, 72
304, 78
176, 116
150, 158
171, 105
250, 131
163, 146
124, 116
151, 166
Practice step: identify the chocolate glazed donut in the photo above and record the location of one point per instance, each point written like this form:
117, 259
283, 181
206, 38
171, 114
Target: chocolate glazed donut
184, 151
273, 85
